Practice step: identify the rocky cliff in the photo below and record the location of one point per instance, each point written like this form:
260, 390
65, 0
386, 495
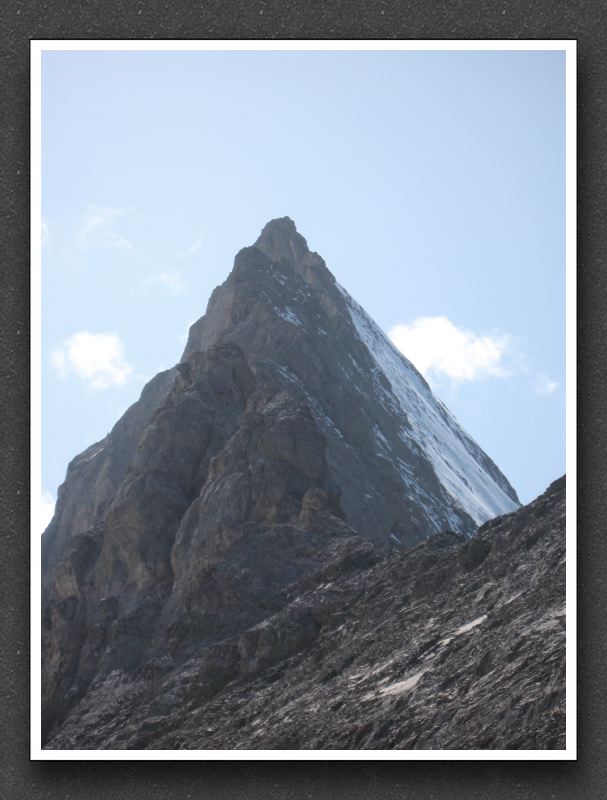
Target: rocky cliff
292, 440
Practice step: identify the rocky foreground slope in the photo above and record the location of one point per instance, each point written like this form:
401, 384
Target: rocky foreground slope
453, 644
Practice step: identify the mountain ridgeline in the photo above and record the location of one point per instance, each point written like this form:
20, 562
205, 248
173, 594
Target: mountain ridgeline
291, 441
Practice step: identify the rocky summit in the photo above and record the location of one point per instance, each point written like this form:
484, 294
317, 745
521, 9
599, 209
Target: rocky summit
278, 546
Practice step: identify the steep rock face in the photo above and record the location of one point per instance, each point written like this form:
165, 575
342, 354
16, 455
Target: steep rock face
454, 644
290, 429
399, 457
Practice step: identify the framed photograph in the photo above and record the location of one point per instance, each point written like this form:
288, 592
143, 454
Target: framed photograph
303, 430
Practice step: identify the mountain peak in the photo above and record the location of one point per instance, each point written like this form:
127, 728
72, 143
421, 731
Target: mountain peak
291, 431
280, 241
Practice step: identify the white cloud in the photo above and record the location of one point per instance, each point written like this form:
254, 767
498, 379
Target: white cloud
438, 347
98, 231
46, 509
45, 238
96, 358
171, 281
544, 385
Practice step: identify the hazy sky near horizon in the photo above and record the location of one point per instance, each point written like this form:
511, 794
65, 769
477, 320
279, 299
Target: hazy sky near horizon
432, 183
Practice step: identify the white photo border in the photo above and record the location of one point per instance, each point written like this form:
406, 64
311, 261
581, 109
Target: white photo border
569, 47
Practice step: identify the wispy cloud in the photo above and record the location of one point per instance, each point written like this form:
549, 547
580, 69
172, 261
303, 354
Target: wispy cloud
172, 281
437, 347
98, 359
45, 234
544, 385
99, 229
46, 509
194, 247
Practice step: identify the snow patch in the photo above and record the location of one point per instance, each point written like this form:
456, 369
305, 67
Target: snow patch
383, 442
512, 598
289, 315
278, 276
429, 425
470, 625
400, 687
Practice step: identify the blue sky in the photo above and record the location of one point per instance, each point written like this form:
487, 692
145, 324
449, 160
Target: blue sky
432, 183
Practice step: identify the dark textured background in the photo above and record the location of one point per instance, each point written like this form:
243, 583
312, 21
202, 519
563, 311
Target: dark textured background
21, 21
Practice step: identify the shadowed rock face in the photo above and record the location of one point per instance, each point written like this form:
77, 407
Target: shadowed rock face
291, 438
